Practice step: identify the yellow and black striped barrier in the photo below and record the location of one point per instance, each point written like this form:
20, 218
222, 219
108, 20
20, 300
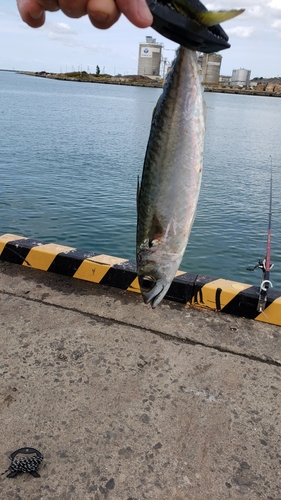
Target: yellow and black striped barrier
198, 290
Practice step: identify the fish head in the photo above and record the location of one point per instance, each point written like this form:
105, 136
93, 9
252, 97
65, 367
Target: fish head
156, 271
153, 290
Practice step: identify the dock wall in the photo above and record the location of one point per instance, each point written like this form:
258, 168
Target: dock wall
196, 290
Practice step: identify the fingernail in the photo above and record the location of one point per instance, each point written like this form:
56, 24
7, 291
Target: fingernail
36, 15
99, 16
144, 11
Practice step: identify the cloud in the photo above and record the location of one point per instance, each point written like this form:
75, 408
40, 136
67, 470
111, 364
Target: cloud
69, 41
227, 5
256, 11
60, 29
260, 17
241, 31
252, 7
276, 25
62, 32
275, 4
237, 4
98, 49
65, 40
9, 12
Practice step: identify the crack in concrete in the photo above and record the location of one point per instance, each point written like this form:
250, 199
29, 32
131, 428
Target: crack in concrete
164, 336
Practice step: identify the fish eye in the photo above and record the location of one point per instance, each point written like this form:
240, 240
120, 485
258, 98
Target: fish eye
147, 283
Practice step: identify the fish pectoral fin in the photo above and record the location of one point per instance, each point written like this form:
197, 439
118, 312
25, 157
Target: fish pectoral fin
156, 231
211, 18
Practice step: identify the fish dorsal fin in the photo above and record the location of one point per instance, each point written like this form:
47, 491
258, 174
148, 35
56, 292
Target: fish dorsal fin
138, 192
206, 18
154, 110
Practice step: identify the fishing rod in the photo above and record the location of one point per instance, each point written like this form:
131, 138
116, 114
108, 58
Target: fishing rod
265, 264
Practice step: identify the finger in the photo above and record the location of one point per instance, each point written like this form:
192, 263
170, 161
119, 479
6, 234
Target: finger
73, 8
136, 11
103, 13
50, 5
31, 12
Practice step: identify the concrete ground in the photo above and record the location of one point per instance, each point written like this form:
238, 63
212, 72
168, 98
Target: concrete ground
126, 403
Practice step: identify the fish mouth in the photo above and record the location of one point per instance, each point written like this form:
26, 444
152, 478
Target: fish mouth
152, 290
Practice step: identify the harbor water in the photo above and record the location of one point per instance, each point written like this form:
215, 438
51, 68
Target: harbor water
71, 153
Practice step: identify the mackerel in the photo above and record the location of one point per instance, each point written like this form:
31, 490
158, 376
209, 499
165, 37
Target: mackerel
170, 185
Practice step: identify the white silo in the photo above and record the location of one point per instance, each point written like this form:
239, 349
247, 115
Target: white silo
240, 77
150, 56
210, 67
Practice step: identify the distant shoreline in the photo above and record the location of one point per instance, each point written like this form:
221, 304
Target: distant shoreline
242, 92
134, 80
137, 81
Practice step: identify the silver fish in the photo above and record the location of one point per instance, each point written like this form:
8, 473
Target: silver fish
171, 178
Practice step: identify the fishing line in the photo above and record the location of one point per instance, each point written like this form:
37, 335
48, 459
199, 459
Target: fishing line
264, 263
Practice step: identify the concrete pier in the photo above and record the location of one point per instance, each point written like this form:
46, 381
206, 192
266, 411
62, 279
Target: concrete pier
127, 403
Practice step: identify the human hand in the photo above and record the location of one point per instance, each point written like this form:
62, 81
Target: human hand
102, 13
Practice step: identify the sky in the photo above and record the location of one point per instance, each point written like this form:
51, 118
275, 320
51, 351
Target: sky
65, 44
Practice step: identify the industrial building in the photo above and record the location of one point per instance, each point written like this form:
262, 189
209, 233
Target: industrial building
210, 66
150, 57
226, 80
240, 77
